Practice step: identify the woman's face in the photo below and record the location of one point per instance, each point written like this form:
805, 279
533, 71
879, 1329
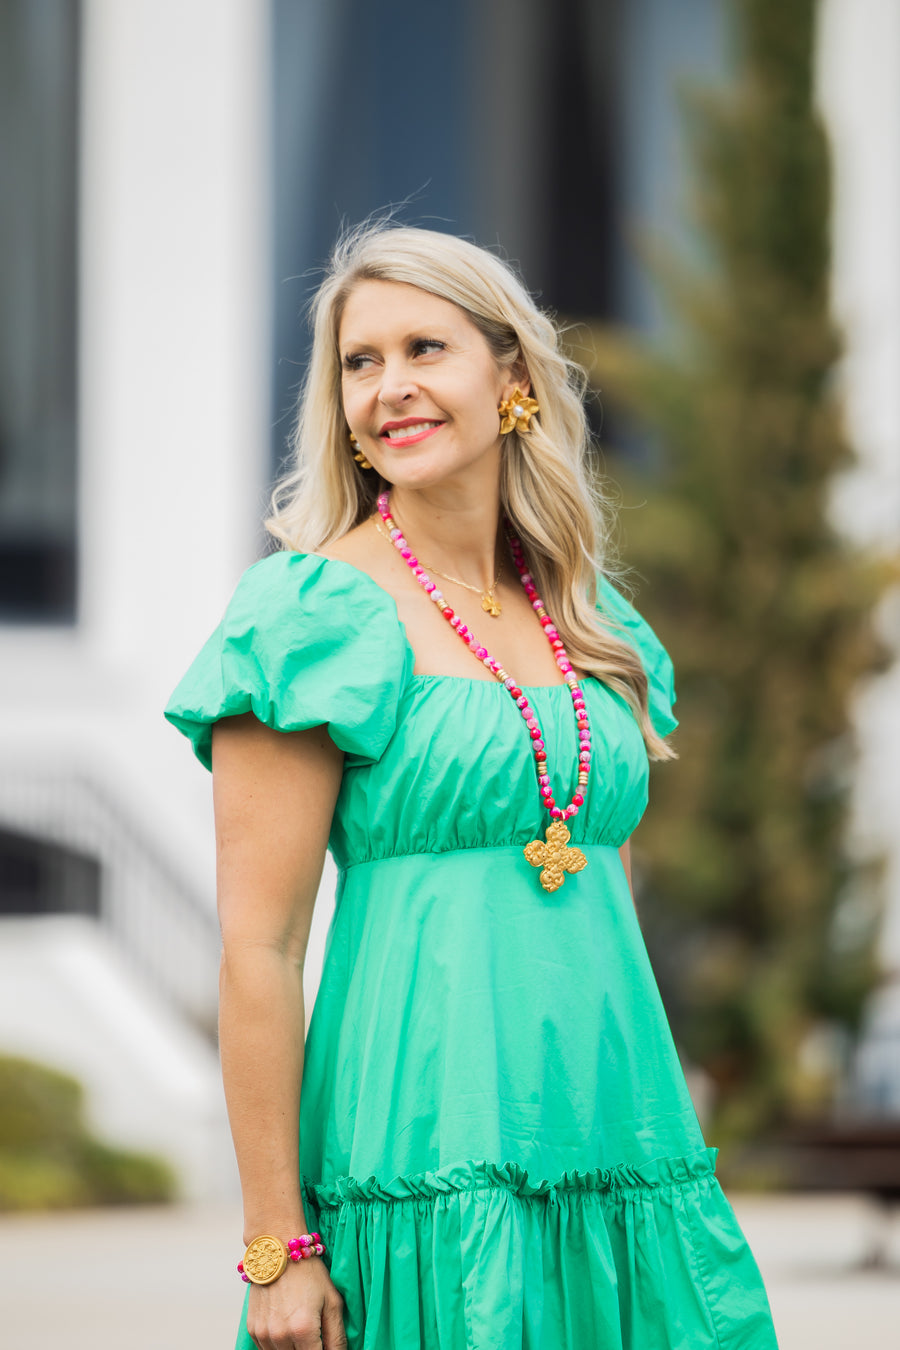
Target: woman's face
420, 385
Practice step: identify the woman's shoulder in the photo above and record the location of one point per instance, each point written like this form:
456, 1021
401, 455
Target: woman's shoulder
338, 579
305, 640
626, 621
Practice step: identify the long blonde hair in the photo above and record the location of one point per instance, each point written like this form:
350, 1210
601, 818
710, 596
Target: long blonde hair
554, 502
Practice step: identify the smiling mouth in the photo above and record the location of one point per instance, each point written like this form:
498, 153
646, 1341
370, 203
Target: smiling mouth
406, 435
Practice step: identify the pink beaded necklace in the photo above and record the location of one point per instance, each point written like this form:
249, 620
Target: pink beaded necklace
552, 855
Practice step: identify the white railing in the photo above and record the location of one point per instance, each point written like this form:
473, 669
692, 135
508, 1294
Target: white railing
162, 928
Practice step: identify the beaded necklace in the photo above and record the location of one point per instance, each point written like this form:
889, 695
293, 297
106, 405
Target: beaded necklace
551, 854
489, 602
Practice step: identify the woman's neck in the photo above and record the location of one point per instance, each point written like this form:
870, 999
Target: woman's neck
456, 531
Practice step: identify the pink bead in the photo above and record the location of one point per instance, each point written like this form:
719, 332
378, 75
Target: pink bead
496, 668
296, 1253
246, 1279
241, 1267
319, 1249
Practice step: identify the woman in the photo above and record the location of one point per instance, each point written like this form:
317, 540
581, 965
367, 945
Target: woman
497, 1148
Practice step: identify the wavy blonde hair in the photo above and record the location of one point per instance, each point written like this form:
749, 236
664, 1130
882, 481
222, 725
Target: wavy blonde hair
547, 489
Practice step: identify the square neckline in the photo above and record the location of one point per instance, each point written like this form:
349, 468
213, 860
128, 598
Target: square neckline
492, 681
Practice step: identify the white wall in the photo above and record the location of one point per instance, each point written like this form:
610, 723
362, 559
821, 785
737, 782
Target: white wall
174, 338
174, 399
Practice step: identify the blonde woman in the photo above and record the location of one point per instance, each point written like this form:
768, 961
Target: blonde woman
435, 678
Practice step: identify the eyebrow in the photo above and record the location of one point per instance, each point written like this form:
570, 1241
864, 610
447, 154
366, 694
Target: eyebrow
429, 330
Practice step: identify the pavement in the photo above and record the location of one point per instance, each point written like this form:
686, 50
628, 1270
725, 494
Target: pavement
164, 1278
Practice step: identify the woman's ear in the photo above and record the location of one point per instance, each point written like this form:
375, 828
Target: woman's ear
517, 378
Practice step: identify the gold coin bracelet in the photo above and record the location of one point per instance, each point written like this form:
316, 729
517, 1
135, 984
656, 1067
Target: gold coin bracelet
267, 1257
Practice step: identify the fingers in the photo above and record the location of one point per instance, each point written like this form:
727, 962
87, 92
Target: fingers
300, 1333
333, 1335
305, 1330
301, 1311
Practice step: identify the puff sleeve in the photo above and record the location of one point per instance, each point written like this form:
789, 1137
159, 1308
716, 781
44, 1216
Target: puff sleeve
305, 640
654, 657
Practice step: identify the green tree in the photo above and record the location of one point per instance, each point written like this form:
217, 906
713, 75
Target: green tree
48, 1157
761, 927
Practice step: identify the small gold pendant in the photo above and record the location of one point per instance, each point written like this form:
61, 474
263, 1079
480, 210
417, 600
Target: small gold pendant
490, 604
554, 857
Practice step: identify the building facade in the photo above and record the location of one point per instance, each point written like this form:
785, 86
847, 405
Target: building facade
180, 170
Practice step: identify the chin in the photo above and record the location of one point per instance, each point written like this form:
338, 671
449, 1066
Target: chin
414, 473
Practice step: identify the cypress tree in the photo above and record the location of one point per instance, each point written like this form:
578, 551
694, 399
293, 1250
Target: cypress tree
762, 927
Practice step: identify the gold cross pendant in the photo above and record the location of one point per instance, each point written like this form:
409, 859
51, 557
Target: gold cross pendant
554, 857
490, 604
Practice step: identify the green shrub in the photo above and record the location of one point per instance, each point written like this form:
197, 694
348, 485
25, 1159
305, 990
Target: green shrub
48, 1158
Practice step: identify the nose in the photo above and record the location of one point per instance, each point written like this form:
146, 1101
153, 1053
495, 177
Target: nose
397, 384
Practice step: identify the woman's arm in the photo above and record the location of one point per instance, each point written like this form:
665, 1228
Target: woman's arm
274, 795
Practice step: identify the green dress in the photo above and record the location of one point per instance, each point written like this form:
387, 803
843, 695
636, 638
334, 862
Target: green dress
496, 1139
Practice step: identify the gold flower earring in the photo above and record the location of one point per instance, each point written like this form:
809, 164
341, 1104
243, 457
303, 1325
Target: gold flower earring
358, 454
517, 412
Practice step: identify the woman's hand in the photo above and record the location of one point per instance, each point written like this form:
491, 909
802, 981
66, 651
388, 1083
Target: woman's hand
302, 1310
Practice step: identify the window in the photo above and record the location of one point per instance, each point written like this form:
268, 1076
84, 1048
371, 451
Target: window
38, 318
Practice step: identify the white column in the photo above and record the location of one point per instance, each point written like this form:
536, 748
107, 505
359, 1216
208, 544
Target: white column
174, 339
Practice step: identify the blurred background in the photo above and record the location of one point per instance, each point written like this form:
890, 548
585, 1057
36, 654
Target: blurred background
706, 192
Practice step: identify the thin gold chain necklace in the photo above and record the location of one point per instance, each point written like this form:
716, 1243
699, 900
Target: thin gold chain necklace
489, 602
552, 855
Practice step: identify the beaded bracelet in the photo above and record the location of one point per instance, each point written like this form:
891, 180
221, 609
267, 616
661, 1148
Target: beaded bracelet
266, 1257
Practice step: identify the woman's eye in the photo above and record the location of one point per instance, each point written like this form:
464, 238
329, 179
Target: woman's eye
354, 362
426, 344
